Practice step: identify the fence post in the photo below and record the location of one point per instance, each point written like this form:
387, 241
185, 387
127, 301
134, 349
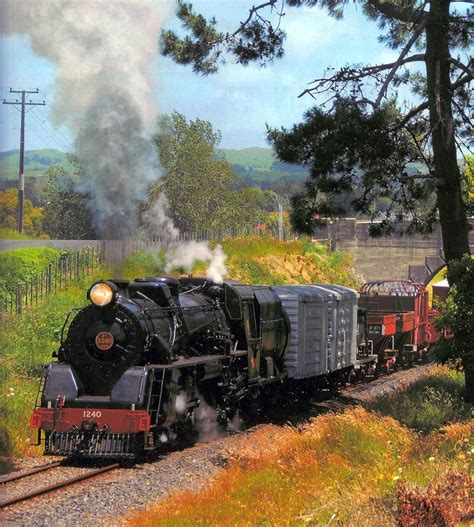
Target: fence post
18, 299
50, 278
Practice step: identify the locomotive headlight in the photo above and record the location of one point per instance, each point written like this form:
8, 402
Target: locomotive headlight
102, 293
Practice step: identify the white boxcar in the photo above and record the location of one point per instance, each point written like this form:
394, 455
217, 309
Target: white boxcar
323, 325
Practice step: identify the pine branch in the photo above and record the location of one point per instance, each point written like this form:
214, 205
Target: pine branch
399, 62
403, 14
352, 74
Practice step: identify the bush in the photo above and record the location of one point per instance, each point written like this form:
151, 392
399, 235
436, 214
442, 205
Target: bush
457, 316
20, 265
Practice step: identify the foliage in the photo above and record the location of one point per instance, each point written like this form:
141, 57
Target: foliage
253, 41
66, 211
196, 181
32, 216
432, 130
244, 208
19, 265
457, 317
429, 131
140, 263
356, 158
469, 184
313, 475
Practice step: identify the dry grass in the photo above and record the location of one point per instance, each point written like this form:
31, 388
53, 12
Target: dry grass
359, 468
340, 469
268, 261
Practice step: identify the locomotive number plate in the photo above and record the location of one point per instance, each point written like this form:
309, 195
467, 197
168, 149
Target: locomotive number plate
104, 340
92, 413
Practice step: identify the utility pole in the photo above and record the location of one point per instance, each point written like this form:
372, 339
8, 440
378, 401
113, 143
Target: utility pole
21, 172
280, 222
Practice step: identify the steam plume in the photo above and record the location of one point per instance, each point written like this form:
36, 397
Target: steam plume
103, 52
157, 222
187, 254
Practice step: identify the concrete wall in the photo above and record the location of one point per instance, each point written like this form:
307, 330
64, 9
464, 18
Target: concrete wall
387, 257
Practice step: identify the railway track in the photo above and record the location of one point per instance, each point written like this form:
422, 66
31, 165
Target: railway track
49, 488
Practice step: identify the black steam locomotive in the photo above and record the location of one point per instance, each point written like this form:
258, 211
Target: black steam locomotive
135, 364
143, 355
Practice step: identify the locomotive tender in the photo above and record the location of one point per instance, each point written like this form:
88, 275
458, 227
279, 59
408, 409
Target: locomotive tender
144, 355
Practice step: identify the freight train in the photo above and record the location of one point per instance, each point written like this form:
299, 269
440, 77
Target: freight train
137, 362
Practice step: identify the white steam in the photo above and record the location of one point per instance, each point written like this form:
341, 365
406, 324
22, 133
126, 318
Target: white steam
103, 52
156, 222
206, 422
186, 255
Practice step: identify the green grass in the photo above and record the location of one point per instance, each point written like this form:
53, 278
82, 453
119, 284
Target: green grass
138, 264
11, 234
428, 404
27, 343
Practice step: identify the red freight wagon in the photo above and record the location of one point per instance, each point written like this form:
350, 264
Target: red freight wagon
397, 316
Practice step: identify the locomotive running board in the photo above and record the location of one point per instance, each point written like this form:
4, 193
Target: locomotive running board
193, 361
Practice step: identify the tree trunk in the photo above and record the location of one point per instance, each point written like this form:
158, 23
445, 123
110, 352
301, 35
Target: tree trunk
452, 211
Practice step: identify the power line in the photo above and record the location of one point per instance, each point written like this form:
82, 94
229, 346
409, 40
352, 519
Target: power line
57, 131
48, 101
21, 172
50, 134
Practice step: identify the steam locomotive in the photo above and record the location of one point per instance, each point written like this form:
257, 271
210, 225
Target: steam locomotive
135, 364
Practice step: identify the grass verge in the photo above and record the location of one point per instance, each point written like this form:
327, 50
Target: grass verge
359, 468
27, 342
428, 404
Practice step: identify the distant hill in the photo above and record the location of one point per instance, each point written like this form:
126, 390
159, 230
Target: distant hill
260, 166
254, 158
256, 165
37, 163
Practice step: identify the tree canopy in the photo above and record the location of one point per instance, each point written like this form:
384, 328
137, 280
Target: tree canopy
32, 216
199, 184
195, 181
430, 132
66, 212
359, 138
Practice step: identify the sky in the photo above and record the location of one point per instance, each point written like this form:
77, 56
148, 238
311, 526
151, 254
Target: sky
238, 100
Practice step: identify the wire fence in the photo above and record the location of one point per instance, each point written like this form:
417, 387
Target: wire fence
71, 267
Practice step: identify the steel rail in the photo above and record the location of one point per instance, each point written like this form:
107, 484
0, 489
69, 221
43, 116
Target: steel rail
58, 485
25, 473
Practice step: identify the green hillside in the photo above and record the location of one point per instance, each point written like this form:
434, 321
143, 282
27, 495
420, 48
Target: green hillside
253, 158
37, 162
260, 165
256, 166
